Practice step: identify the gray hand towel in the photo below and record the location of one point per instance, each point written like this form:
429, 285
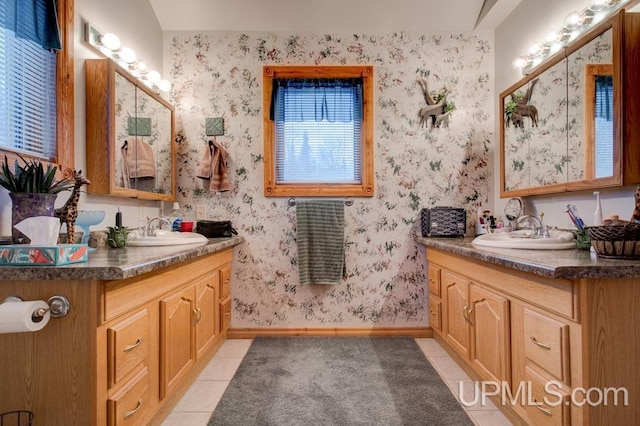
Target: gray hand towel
320, 237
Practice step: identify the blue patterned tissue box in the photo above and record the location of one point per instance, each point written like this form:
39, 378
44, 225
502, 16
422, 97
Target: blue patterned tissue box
26, 255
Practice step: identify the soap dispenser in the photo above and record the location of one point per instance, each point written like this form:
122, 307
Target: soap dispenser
175, 217
597, 214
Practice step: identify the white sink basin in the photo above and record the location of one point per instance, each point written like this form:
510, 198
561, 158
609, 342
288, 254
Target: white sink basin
523, 239
166, 238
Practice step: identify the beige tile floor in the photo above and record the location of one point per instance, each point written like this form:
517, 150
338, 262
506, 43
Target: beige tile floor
195, 408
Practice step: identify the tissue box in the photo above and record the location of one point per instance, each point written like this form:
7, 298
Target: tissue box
62, 254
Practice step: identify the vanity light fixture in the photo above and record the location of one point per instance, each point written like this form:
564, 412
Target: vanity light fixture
109, 45
574, 24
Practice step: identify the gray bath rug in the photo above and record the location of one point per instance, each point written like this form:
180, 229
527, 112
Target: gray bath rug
337, 381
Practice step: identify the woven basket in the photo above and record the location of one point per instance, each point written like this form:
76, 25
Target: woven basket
616, 241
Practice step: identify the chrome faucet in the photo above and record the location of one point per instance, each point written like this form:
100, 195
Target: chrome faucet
538, 228
149, 230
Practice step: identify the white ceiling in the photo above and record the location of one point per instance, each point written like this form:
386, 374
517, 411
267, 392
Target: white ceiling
427, 16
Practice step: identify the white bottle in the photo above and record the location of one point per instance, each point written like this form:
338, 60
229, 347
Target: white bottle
597, 214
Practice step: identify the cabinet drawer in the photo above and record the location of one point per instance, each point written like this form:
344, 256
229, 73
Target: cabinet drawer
225, 314
546, 408
433, 276
435, 314
129, 407
127, 346
546, 343
225, 281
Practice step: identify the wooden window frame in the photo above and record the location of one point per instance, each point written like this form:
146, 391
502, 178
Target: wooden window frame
591, 71
274, 189
65, 149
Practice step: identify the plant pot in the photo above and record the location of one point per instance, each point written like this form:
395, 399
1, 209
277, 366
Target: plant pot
24, 205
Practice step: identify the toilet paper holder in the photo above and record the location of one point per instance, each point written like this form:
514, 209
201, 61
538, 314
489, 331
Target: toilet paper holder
59, 306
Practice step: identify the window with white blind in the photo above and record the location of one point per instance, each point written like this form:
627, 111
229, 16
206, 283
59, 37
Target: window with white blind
604, 126
28, 104
600, 149
318, 131
36, 81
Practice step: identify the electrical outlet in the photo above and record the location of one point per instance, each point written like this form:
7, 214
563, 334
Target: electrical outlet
201, 212
141, 216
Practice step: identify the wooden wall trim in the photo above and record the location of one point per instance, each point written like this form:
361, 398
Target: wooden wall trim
250, 333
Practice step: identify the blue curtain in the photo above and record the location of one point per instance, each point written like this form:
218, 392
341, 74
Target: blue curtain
316, 99
35, 20
604, 97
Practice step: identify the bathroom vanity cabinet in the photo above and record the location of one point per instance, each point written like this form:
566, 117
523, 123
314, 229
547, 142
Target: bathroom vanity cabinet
547, 341
128, 349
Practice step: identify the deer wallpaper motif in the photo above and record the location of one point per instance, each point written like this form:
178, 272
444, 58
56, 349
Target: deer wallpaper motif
220, 74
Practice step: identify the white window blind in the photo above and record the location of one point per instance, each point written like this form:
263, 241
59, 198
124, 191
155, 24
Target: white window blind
27, 96
318, 126
604, 126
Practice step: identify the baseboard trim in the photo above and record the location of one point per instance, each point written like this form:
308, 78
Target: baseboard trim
250, 333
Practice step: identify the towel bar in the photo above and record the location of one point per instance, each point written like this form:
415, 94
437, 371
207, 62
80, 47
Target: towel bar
347, 202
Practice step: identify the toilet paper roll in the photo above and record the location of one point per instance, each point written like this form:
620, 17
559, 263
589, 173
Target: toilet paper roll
18, 317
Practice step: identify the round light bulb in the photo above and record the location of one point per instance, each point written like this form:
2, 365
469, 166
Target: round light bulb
534, 49
110, 41
597, 5
164, 85
555, 47
141, 66
551, 37
127, 55
154, 76
572, 21
519, 63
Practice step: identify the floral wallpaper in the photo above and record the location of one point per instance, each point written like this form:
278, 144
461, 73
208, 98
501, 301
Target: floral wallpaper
219, 74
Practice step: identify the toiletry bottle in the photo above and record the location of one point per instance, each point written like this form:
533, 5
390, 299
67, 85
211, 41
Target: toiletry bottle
118, 218
175, 217
597, 214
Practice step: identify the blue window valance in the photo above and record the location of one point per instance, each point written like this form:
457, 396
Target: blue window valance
35, 20
333, 100
604, 97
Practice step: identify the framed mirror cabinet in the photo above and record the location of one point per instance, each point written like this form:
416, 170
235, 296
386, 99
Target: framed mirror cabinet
130, 136
569, 125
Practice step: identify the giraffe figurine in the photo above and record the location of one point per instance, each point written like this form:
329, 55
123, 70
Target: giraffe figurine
635, 217
69, 212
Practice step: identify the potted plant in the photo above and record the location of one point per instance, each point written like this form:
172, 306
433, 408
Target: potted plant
33, 190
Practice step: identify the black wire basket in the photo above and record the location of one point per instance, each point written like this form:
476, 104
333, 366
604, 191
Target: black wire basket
16, 418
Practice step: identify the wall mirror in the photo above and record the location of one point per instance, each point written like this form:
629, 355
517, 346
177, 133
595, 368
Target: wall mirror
565, 127
535, 131
130, 132
590, 103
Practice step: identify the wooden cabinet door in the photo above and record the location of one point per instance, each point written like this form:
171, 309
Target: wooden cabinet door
489, 325
456, 329
177, 338
206, 321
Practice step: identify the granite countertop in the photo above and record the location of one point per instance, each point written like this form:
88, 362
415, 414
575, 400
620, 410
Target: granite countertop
572, 263
118, 264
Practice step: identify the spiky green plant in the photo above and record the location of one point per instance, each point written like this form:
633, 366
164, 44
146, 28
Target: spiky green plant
31, 177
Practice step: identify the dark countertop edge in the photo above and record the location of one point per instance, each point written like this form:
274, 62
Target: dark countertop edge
592, 268
86, 271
